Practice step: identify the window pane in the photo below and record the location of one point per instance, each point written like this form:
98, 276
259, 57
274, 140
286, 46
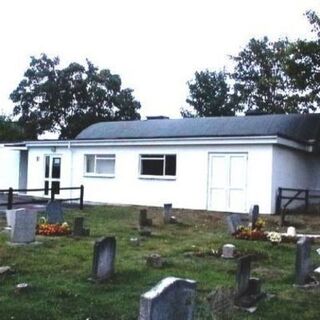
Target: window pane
55, 186
90, 163
46, 187
47, 164
56, 163
152, 167
105, 166
170, 165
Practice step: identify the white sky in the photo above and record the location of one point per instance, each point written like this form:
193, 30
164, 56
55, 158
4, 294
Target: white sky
154, 45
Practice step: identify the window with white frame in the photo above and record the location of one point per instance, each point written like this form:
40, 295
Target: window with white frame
100, 164
158, 165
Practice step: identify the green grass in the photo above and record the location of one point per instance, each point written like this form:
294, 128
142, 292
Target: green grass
59, 268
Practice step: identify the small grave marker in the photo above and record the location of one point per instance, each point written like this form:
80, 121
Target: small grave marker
171, 299
167, 212
54, 212
78, 230
221, 303
24, 227
104, 258
228, 251
143, 219
254, 214
233, 221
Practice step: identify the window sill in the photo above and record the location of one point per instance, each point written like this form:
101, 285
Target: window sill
145, 177
99, 175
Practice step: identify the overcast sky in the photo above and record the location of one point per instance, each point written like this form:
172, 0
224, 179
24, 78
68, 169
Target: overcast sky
155, 46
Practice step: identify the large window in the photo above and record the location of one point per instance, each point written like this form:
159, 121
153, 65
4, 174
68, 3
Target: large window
100, 164
158, 165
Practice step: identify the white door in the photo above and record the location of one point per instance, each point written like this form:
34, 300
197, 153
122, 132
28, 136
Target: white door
227, 182
52, 174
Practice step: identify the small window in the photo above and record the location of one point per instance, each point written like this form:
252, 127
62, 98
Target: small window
162, 165
100, 164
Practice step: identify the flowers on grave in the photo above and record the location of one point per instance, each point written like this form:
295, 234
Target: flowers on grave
247, 233
274, 237
49, 229
260, 223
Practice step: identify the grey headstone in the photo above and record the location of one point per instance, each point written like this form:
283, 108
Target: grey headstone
254, 214
233, 221
167, 212
171, 299
54, 212
78, 229
303, 262
104, 258
228, 251
24, 227
10, 216
221, 303
243, 275
143, 219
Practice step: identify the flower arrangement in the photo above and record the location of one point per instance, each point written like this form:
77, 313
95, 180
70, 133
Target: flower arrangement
260, 223
274, 237
47, 229
248, 233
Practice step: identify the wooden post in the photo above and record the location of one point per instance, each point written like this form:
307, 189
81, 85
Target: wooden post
52, 193
81, 196
307, 200
278, 201
10, 199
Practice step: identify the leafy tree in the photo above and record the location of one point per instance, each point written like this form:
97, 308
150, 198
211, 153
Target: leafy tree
67, 100
303, 67
208, 96
9, 130
261, 82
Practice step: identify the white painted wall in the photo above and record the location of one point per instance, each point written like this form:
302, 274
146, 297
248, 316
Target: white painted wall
9, 168
294, 169
187, 190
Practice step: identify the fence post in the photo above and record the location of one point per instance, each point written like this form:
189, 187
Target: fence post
52, 194
10, 199
307, 200
81, 196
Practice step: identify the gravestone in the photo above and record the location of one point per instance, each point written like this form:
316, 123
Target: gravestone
303, 261
24, 227
228, 251
167, 212
248, 290
54, 212
254, 214
171, 299
221, 302
103, 258
143, 219
78, 229
233, 221
10, 216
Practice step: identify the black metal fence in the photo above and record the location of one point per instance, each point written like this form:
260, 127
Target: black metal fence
306, 196
53, 191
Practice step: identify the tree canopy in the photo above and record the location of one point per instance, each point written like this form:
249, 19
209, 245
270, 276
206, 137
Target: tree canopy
9, 130
67, 100
271, 77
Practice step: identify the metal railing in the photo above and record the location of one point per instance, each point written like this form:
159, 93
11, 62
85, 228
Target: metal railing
53, 191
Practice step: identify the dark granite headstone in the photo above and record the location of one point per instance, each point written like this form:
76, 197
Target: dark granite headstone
303, 262
104, 258
171, 299
143, 219
54, 212
254, 214
78, 229
243, 275
233, 221
167, 212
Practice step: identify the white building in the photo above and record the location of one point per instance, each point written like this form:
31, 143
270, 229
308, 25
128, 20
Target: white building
221, 164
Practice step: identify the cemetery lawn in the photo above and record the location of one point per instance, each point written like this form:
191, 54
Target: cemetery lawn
57, 269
